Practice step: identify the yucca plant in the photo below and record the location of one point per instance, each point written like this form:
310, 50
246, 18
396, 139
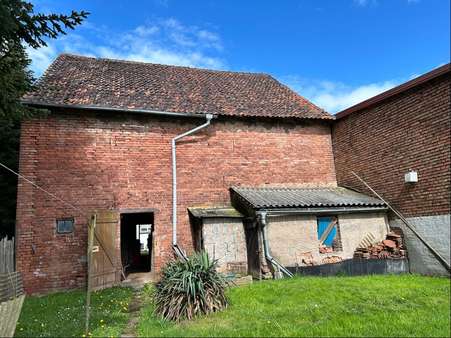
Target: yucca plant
189, 288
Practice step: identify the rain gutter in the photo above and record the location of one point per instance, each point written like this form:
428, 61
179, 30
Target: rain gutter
113, 109
308, 211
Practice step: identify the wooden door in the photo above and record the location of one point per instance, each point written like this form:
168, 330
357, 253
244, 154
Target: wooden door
104, 266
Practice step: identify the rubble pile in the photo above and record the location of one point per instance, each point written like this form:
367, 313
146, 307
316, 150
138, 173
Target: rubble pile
325, 249
392, 247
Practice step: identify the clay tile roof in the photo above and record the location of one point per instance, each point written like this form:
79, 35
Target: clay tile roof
92, 82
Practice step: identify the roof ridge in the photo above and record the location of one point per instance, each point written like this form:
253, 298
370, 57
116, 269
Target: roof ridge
94, 58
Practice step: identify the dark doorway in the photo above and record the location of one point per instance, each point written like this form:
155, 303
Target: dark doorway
136, 241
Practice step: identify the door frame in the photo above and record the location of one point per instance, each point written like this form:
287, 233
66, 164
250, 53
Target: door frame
137, 211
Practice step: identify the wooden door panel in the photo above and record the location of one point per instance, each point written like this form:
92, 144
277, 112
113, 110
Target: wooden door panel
105, 265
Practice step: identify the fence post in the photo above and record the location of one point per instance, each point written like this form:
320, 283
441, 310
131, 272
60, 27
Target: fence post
91, 229
6, 255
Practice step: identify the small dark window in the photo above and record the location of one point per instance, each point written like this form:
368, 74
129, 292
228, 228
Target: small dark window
329, 234
65, 225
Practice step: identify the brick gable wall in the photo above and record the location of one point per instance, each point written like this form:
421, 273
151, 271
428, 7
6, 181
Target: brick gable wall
97, 161
408, 131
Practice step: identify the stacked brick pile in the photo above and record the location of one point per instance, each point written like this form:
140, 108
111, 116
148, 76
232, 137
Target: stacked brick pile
392, 247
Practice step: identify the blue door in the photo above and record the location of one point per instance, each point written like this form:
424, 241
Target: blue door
323, 223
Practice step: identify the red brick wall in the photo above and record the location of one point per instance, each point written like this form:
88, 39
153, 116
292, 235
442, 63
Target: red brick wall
408, 131
124, 162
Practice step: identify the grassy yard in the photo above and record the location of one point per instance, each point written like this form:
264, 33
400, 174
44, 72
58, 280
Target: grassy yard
305, 306
63, 314
335, 306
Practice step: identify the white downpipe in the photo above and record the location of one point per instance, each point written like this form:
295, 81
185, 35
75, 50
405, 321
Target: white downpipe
175, 246
263, 222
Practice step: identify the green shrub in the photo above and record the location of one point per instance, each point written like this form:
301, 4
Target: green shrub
190, 288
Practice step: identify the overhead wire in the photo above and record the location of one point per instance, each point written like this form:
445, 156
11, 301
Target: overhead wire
40, 188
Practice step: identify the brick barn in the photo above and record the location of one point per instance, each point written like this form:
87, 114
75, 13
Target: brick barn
399, 141
106, 148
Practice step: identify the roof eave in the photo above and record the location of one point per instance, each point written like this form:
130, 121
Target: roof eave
395, 91
327, 118
317, 211
114, 109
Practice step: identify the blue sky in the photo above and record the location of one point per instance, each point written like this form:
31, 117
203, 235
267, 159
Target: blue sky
334, 52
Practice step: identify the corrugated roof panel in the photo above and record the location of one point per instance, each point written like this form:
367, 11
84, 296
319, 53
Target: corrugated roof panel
267, 197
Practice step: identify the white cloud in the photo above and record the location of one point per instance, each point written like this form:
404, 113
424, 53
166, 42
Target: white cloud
336, 96
191, 35
364, 3
146, 30
163, 3
163, 41
41, 58
360, 2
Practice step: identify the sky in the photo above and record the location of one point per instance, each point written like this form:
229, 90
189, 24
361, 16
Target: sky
335, 53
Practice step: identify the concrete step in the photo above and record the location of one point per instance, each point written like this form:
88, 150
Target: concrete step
139, 279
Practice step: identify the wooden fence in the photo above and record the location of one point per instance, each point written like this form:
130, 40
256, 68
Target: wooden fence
11, 300
9, 315
6, 255
11, 289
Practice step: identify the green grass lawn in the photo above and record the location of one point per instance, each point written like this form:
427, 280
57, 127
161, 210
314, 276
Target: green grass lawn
304, 306
335, 306
63, 314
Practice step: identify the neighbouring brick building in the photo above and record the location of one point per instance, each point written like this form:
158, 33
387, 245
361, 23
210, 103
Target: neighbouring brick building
404, 129
106, 149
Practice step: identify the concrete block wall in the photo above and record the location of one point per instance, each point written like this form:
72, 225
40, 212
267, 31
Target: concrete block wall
224, 240
123, 161
355, 227
436, 231
294, 239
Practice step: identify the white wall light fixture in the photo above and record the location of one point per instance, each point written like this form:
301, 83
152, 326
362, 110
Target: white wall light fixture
411, 177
